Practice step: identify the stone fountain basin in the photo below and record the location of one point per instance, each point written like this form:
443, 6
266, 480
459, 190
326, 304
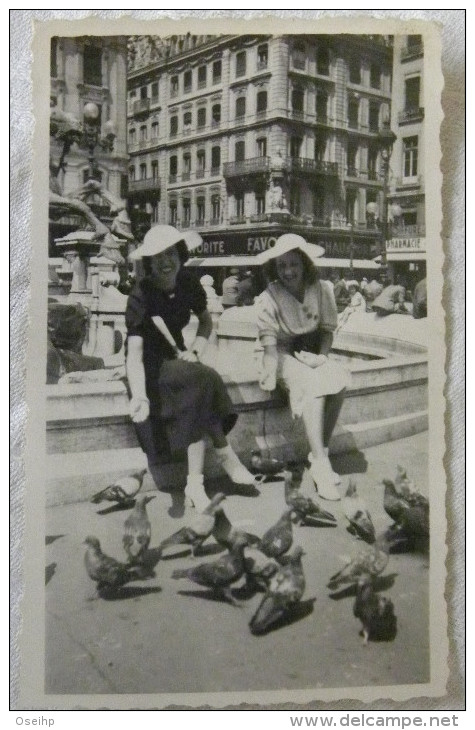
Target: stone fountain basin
89, 430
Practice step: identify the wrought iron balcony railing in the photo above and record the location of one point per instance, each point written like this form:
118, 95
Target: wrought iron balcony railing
246, 167
149, 183
141, 106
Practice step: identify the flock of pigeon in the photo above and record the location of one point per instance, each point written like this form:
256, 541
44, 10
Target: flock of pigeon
268, 563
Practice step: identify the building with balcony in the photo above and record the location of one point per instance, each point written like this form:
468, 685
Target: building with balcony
247, 137
406, 248
92, 69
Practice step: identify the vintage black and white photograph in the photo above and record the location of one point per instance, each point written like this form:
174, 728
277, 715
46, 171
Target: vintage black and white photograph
236, 425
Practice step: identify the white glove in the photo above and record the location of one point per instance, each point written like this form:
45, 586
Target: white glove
139, 409
310, 359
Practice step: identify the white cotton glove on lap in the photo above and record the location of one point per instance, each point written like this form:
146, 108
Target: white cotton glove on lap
188, 356
268, 374
310, 359
139, 409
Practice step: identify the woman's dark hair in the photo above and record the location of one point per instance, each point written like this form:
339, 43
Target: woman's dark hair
310, 271
183, 255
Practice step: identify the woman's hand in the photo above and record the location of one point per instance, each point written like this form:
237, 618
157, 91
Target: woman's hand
139, 409
188, 356
268, 375
310, 359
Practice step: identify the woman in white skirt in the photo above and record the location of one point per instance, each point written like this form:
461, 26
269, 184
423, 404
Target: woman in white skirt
296, 317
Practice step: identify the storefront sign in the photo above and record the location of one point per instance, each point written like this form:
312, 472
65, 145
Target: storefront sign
406, 244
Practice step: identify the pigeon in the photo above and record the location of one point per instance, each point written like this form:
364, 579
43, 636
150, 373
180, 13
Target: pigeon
104, 570
409, 512
259, 568
371, 561
137, 531
286, 588
122, 492
265, 466
224, 532
304, 507
403, 484
375, 612
200, 527
357, 515
278, 538
220, 574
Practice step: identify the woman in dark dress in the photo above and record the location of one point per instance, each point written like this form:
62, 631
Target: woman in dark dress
176, 401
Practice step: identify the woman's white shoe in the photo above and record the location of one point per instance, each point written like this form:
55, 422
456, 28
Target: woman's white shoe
322, 475
195, 495
236, 471
336, 477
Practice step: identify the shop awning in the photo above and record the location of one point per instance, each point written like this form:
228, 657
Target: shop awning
403, 256
331, 263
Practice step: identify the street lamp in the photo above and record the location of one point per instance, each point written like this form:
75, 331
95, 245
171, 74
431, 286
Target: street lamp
92, 137
386, 140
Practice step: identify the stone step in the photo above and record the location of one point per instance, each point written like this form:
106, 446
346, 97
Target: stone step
78, 475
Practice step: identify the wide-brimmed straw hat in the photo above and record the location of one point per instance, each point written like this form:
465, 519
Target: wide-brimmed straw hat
161, 237
289, 242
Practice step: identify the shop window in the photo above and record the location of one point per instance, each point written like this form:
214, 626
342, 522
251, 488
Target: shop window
92, 65
241, 64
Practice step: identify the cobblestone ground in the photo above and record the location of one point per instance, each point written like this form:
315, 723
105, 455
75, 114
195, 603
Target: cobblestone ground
167, 636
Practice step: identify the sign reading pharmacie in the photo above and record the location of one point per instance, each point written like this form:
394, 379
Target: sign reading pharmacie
403, 245
233, 243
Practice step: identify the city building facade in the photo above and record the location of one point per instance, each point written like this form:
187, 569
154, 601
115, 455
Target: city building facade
90, 70
406, 248
246, 137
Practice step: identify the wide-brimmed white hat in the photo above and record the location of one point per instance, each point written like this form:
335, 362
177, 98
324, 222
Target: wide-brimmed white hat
289, 242
161, 237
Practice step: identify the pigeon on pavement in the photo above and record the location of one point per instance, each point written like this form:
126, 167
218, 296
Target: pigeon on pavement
278, 538
226, 534
357, 515
265, 466
137, 531
410, 514
199, 528
304, 507
104, 570
122, 492
220, 574
286, 588
375, 612
371, 561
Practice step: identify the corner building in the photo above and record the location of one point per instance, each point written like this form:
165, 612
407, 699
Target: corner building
246, 137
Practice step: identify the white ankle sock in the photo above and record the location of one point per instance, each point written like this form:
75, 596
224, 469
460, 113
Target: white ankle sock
236, 471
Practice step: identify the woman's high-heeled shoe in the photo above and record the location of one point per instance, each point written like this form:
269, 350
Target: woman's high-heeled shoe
322, 475
336, 477
236, 471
